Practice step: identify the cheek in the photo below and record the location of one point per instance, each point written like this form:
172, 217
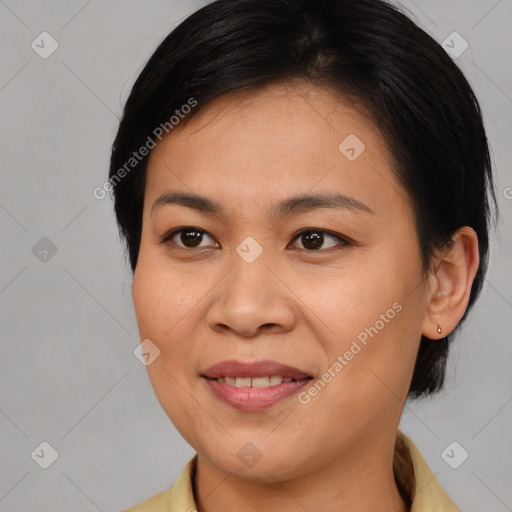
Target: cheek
377, 364
163, 298
163, 313
374, 317
164, 307
359, 302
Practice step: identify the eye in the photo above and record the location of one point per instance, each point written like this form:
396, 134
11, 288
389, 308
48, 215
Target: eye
189, 237
312, 239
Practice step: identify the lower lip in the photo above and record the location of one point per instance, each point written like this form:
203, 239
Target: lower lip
254, 399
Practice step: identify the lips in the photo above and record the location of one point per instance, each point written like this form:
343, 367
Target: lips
254, 386
257, 369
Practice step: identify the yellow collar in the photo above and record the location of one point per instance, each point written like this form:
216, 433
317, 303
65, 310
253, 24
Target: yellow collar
411, 472
414, 476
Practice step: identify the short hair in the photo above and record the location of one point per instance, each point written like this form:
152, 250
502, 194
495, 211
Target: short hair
370, 52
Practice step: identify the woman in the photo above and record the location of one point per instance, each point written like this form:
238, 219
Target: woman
303, 189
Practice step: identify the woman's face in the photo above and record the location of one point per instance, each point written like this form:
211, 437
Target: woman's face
240, 292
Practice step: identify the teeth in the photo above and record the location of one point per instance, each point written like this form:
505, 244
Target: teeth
254, 382
275, 379
243, 382
261, 382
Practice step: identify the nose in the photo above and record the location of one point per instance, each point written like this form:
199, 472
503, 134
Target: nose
252, 299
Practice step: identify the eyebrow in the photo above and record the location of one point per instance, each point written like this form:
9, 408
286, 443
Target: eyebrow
293, 205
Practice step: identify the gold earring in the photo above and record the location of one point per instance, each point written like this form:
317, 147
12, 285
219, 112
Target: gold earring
439, 330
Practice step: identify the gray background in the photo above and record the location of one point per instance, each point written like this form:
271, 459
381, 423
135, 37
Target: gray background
68, 374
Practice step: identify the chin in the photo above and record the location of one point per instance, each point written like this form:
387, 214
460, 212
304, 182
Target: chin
255, 461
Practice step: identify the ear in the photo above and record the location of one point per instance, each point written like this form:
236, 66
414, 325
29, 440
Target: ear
449, 283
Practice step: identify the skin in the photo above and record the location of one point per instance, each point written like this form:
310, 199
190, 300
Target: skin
298, 306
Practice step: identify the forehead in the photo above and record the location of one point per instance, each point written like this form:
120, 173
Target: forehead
278, 140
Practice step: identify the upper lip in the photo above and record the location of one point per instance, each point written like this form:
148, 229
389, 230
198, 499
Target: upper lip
234, 368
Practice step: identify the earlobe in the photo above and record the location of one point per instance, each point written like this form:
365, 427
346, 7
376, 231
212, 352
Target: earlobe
450, 283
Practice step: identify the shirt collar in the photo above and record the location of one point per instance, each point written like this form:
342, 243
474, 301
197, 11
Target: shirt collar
415, 477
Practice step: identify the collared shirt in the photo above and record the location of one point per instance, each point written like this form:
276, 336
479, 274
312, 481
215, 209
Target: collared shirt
412, 474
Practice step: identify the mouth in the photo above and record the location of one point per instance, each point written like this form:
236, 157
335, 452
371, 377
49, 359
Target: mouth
254, 386
255, 382
254, 370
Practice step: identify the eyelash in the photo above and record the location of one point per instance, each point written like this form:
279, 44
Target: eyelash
343, 241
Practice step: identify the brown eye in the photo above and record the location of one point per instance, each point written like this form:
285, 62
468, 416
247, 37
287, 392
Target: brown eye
191, 238
314, 239
188, 238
